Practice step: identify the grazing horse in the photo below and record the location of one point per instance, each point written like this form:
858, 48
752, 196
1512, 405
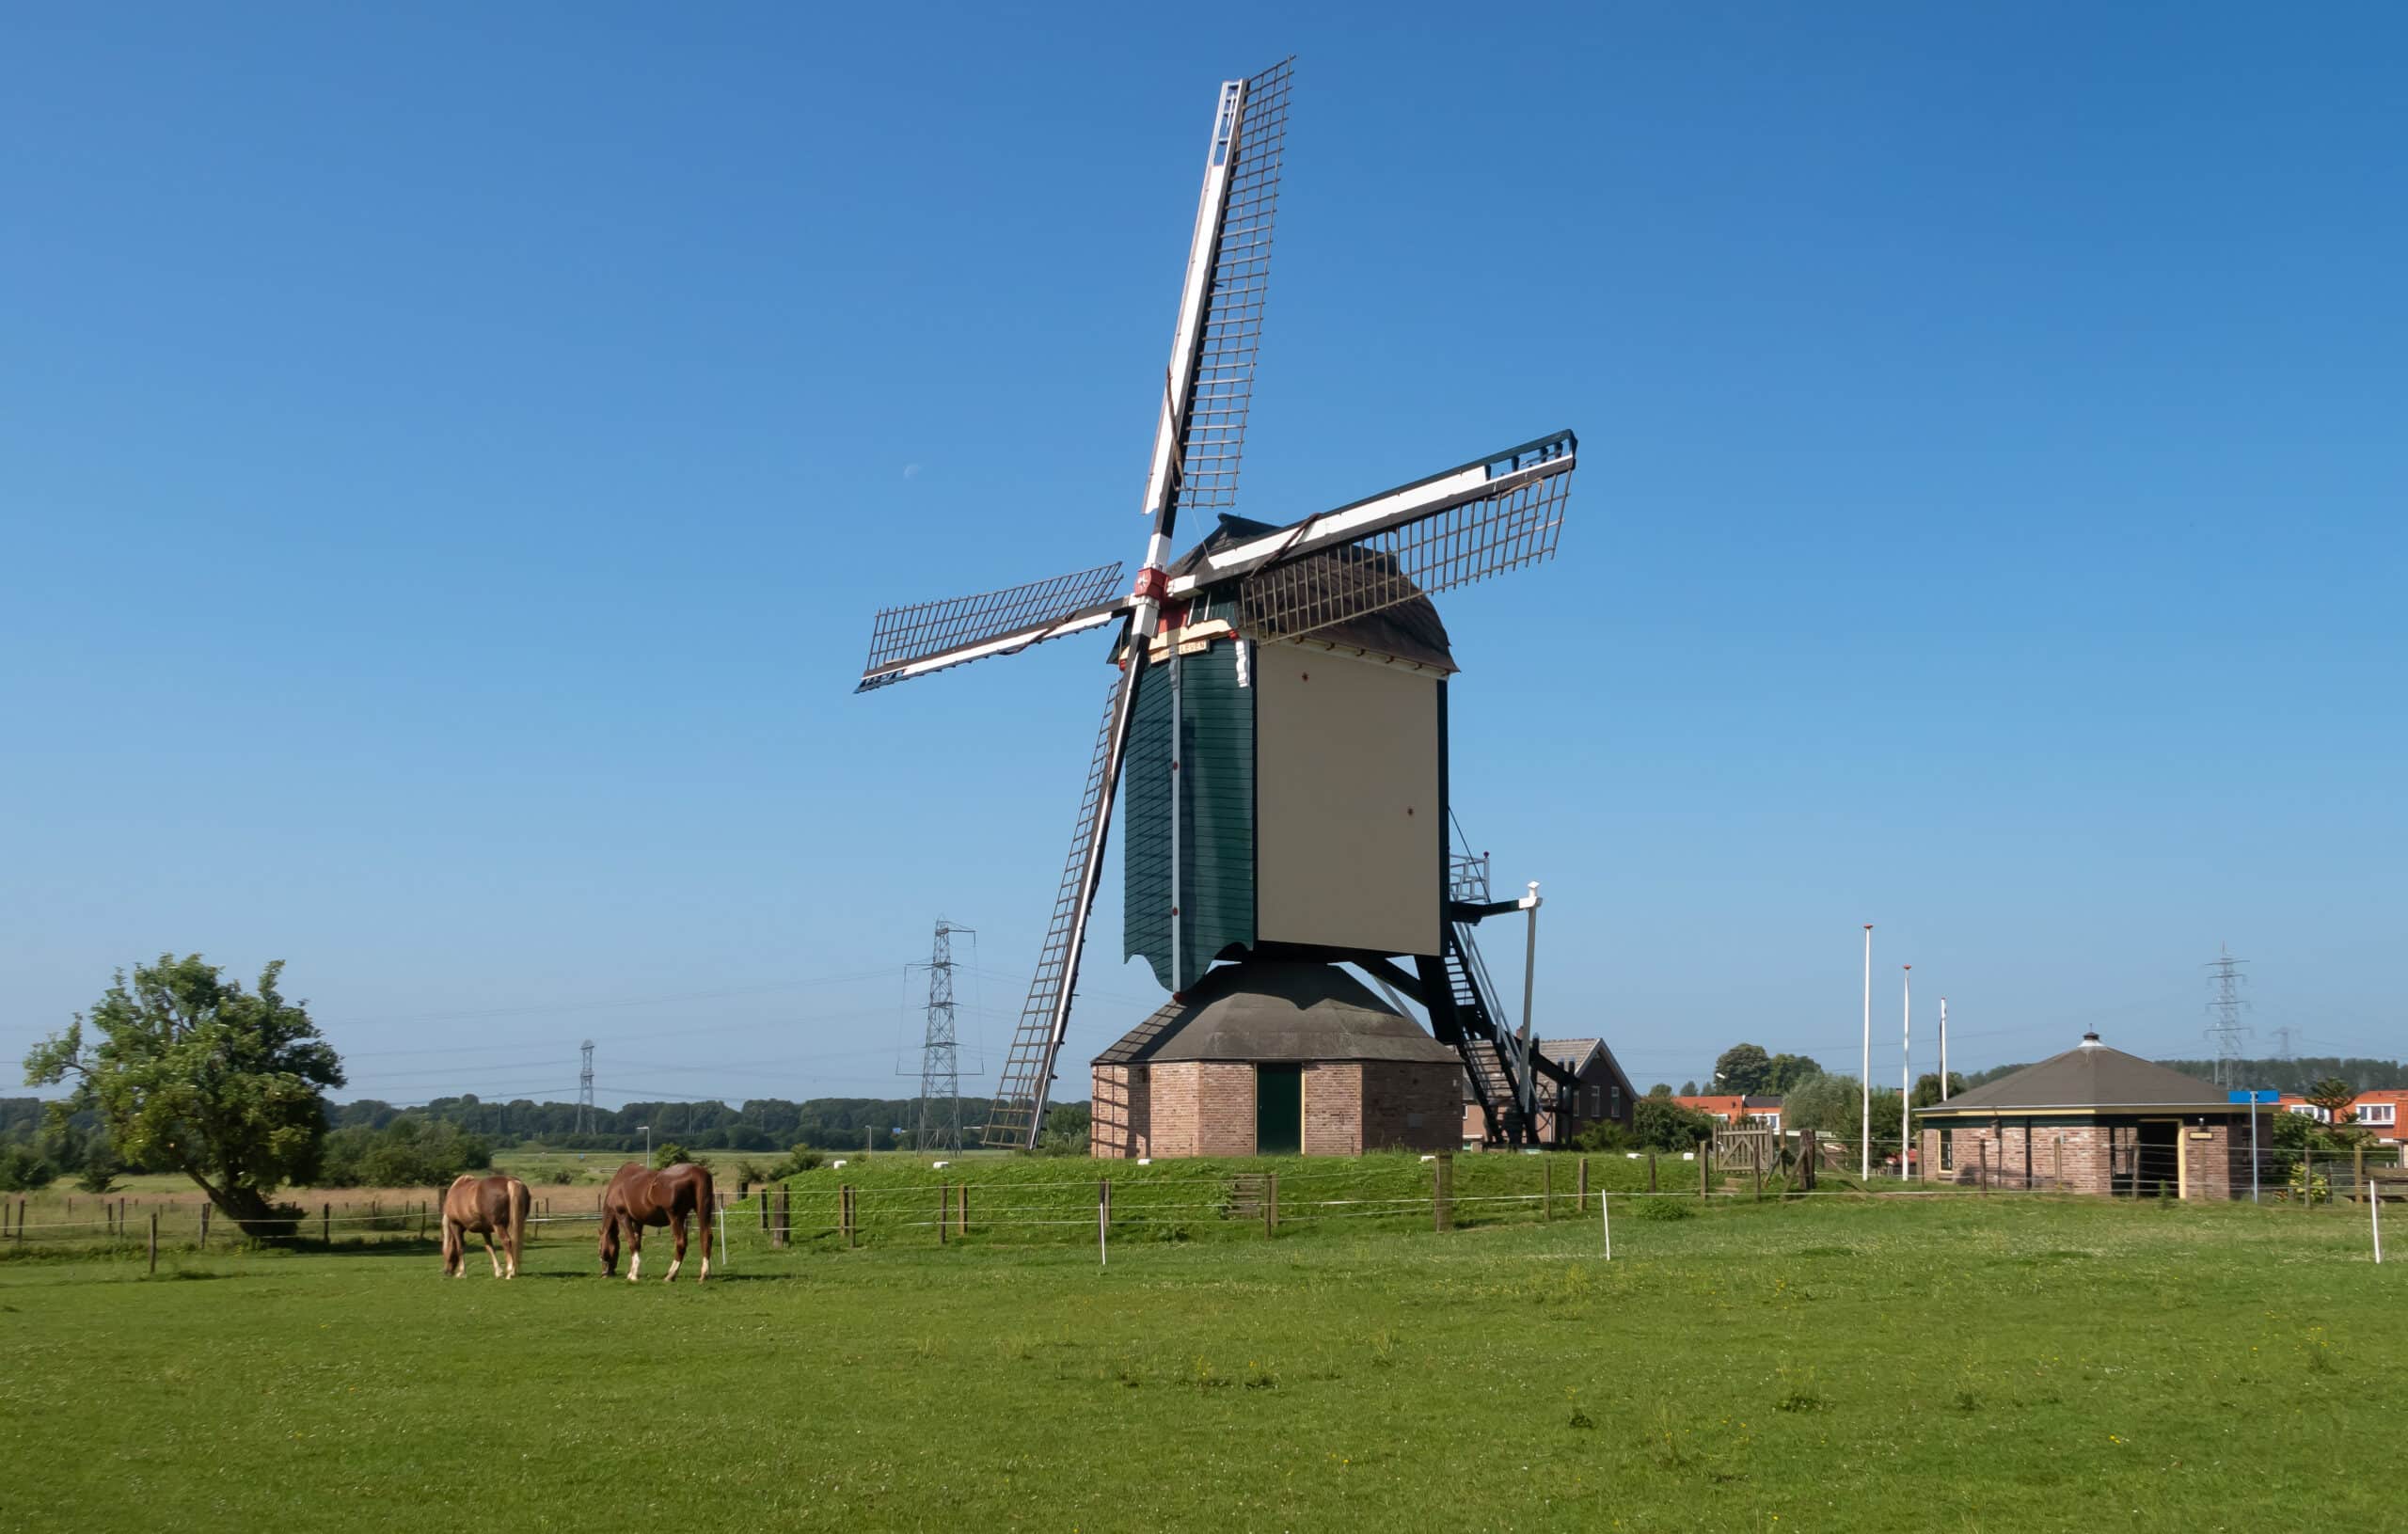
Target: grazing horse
640, 1196
484, 1205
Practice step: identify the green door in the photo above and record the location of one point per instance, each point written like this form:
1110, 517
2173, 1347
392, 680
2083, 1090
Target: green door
1279, 1110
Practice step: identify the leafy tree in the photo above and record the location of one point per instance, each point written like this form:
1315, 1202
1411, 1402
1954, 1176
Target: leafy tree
1743, 1068
1661, 1090
1067, 1126
1834, 1106
1688, 1089
25, 1170
1787, 1070
406, 1153
192, 1073
2333, 1095
98, 1173
1927, 1088
669, 1155
1661, 1124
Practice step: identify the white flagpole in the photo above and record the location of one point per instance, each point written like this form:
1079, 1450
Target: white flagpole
1864, 1077
1905, 1062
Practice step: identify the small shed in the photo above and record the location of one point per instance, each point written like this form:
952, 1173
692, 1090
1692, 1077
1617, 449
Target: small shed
2096, 1120
1271, 1057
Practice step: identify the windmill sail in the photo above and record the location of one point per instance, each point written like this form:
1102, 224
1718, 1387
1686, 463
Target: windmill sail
915, 641
1221, 387
1028, 1071
1481, 519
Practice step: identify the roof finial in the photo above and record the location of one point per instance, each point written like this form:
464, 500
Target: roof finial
2090, 1040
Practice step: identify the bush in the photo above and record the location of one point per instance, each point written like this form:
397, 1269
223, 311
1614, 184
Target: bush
801, 1158
1653, 1207
97, 1174
25, 1170
406, 1153
670, 1155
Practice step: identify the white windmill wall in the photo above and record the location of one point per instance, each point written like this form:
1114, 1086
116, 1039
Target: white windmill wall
1348, 817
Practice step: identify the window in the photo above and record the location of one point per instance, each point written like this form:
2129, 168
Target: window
2377, 1113
2309, 1110
1596, 1101
1617, 1100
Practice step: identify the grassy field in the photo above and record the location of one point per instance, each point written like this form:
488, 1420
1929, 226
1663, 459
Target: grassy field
1955, 1363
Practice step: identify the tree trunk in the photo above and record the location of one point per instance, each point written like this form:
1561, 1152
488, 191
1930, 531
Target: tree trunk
250, 1208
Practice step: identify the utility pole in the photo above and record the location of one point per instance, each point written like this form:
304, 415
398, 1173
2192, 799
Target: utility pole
1865, 1076
585, 1088
1943, 1049
2224, 1006
940, 1120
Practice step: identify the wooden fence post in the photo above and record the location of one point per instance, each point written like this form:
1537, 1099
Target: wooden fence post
1705, 1168
2357, 1158
765, 1196
1442, 1192
154, 1239
1651, 1171
1580, 1199
204, 1228
422, 1219
1760, 1177
963, 1229
1547, 1187
944, 1213
326, 1225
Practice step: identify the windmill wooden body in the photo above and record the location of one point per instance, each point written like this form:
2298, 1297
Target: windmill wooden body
1278, 711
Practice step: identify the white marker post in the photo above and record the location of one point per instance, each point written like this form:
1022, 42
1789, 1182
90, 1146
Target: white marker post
1606, 1222
2374, 1213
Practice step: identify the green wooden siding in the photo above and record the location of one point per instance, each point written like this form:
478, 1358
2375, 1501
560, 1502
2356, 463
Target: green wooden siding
1217, 837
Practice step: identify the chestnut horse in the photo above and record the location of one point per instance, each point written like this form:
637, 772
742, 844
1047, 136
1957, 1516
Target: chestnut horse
484, 1205
640, 1196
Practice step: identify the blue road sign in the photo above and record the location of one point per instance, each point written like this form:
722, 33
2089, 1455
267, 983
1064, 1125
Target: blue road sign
2265, 1095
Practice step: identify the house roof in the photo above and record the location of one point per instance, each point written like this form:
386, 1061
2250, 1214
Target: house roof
2090, 1075
1272, 1010
1409, 630
1573, 1055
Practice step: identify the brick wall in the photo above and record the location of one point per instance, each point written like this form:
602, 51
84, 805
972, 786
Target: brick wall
2085, 1154
1121, 1102
1334, 1108
1206, 1107
1411, 1105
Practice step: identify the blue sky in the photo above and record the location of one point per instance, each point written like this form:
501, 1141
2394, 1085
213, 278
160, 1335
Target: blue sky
449, 463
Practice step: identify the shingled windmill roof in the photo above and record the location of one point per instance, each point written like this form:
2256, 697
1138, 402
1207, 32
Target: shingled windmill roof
2089, 1075
1271, 1009
1409, 630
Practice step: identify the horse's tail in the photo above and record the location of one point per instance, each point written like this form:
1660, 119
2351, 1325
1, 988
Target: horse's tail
707, 1207
521, 1203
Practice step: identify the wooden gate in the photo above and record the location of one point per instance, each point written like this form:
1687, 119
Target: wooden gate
1748, 1150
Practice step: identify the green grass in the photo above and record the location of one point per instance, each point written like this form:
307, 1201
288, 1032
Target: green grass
2012, 1364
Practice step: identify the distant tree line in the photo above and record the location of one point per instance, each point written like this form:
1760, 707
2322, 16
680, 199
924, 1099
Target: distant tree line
758, 1124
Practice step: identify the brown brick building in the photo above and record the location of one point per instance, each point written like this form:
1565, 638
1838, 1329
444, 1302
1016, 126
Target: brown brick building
2096, 1120
1267, 1058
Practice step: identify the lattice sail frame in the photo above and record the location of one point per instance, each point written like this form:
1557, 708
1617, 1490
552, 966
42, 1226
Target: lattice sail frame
1457, 546
1223, 391
994, 623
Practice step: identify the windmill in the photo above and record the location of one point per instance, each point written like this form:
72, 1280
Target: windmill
1299, 861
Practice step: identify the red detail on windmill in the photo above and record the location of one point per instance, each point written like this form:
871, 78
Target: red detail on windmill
1174, 617
1154, 583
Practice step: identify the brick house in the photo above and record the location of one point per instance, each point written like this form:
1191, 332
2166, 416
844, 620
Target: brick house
1753, 1112
2096, 1120
2380, 1113
1601, 1092
1269, 1057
